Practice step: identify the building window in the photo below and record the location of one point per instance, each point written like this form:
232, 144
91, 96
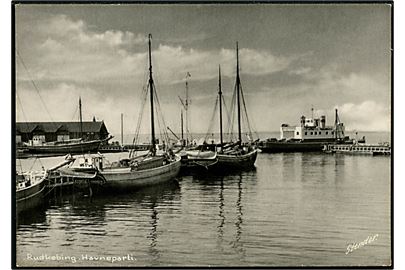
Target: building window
306, 133
312, 133
315, 133
298, 133
320, 133
332, 132
326, 133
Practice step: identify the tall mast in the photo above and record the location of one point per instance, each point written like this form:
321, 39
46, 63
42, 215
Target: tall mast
80, 115
182, 132
122, 129
237, 93
336, 123
152, 124
220, 107
186, 102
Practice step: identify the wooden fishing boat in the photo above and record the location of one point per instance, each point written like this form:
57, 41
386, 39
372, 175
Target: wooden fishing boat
196, 159
240, 155
73, 146
66, 147
145, 170
30, 187
241, 158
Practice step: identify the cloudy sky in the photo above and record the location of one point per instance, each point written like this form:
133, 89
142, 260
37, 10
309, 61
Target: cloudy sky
292, 57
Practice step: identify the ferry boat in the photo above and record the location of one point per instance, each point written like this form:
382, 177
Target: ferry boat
368, 149
311, 135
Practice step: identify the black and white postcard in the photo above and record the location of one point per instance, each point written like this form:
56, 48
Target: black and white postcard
157, 134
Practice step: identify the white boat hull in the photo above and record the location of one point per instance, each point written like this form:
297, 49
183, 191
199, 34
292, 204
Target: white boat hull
200, 160
125, 178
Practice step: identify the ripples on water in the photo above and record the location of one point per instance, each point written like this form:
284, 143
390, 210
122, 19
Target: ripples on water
291, 210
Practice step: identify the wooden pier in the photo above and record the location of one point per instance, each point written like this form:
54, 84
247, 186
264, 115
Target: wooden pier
366, 149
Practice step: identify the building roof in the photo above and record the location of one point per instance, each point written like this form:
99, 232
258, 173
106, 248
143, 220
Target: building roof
53, 127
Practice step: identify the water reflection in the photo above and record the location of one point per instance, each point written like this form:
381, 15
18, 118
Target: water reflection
313, 167
153, 235
338, 162
238, 245
226, 219
221, 210
31, 217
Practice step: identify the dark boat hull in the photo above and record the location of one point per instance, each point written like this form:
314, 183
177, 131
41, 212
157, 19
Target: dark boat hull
30, 197
292, 146
245, 161
279, 147
73, 148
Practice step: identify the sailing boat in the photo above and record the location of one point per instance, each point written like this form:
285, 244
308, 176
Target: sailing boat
194, 157
73, 146
31, 185
238, 155
143, 170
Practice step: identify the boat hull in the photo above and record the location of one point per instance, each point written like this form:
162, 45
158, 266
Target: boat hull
291, 146
196, 160
30, 197
245, 161
80, 147
124, 178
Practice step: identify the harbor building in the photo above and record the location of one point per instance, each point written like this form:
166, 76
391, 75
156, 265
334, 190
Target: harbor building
60, 131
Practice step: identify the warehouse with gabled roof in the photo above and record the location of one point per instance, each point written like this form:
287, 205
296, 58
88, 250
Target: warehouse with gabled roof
60, 131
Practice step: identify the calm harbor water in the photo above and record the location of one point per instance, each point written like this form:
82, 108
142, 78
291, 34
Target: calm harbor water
293, 209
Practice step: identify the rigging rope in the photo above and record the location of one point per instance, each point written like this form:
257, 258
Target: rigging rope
160, 115
245, 113
138, 126
33, 164
35, 86
228, 117
22, 110
21, 167
232, 115
250, 124
212, 120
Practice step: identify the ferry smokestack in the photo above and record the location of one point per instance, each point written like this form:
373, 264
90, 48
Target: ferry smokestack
302, 120
323, 121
